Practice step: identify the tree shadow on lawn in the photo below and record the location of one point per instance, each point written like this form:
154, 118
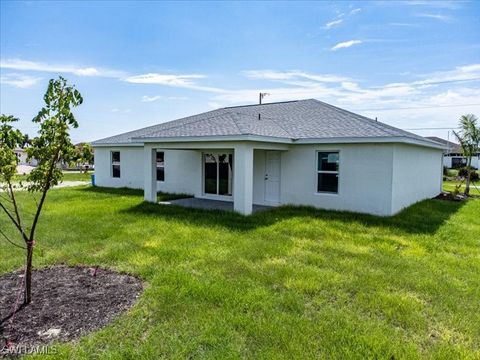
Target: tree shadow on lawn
131, 192
424, 217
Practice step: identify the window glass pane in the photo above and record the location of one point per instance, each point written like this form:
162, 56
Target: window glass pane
160, 158
327, 183
328, 161
115, 156
116, 171
160, 174
224, 170
210, 174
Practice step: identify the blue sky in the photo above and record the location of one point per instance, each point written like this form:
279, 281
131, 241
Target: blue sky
412, 64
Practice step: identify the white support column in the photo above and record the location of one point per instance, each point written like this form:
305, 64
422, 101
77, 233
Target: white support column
243, 179
150, 174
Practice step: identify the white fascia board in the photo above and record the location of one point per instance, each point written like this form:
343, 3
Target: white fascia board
117, 144
270, 139
356, 140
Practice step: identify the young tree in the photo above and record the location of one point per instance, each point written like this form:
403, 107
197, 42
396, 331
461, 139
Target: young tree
51, 146
85, 155
469, 139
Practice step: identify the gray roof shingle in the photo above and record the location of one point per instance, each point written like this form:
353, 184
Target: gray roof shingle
301, 119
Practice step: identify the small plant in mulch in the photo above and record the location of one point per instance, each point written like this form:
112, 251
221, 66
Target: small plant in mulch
68, 302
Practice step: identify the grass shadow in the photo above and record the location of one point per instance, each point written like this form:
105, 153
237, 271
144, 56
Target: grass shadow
131, 192
424, 217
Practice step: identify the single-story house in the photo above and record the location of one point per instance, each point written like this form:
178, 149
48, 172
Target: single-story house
303, 152
23, 157
453, 157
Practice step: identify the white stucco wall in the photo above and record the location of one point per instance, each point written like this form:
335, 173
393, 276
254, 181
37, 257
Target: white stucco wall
183, 172
182, 169
365, 173
417, 175
131, 167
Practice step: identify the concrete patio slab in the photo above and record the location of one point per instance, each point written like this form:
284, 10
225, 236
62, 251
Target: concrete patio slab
209, 204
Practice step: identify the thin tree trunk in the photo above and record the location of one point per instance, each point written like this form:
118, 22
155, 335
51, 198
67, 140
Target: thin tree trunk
28, 273
30, 243
467, 183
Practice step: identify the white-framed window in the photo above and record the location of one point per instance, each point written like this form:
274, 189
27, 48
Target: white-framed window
218, 174
115, 156
327, 171
160, 166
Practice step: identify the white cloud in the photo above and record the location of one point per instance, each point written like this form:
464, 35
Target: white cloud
291, 75
19, 80
340, 18
460, 73
347, 92
345, 44
440, 17
147, 98
182, 81
333, 23
451, 5
17, 64
188, 81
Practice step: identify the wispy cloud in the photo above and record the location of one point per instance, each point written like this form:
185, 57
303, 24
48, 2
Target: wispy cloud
17, 64
293, 75
346, 44
19, 80
431, 89
189, 81
147, 98
182, 81
340, 18
440, 17
401, 24
451, 5
332, 23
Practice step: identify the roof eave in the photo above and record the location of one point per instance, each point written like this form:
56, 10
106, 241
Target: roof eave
371, 139
337, 140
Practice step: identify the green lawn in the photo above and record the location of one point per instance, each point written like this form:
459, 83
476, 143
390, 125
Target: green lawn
288, 283
67, 176
450, 187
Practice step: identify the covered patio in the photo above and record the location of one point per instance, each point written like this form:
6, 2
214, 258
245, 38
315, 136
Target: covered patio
232, 165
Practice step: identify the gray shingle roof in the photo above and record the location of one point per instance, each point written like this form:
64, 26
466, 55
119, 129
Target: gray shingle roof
450, 147
301, 119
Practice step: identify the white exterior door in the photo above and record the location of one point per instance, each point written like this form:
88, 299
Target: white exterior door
272, 177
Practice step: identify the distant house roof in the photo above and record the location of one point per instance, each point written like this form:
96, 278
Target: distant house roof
292, 121
450, 147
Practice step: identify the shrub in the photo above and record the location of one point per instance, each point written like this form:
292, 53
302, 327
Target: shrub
463, 172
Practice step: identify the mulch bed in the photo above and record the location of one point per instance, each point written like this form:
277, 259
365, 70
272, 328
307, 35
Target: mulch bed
67, 302
450, 197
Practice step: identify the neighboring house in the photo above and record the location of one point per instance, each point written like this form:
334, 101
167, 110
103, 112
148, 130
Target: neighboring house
453, 156
22, 157
302, 152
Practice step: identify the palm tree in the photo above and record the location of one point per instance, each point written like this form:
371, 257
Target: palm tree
469, 139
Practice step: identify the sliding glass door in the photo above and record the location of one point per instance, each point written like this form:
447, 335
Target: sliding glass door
218, 173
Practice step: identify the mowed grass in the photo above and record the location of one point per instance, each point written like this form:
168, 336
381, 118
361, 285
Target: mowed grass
450, 186
288, 283
67, 176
